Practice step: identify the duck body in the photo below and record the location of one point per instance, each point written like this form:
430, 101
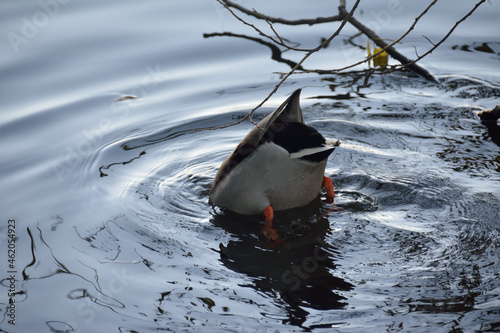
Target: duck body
279, 164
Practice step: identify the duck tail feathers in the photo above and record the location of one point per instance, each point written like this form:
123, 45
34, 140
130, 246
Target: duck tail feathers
292, 111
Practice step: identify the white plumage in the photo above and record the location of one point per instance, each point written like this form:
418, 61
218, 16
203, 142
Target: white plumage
279, 164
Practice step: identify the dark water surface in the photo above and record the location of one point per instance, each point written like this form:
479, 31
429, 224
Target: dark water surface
106, 173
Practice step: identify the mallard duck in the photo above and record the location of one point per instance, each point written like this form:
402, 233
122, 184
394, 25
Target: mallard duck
279, 165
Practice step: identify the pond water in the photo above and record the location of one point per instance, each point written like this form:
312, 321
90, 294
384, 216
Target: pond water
106, 173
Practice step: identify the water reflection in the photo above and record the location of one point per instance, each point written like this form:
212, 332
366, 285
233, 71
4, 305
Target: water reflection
298, 273
493, 130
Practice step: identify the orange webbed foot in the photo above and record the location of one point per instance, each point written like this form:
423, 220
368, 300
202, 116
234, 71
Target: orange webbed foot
330, 192
268, 229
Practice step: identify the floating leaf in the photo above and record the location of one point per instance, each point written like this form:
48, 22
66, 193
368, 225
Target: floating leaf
124, 98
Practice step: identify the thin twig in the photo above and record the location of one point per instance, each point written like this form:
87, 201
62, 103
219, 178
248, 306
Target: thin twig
319, 47
379, 41
429, 40
446, 36
270, 26
275, 51
260, 32
346, 17
280, 20
331, 71
389, 49
299, 64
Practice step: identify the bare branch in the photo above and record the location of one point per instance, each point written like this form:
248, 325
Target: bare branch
410, 64
298, 66
376, 53
317, 20
270, 25
275, 51
388, 48
280, 42
345, 17
319, 47
428, 39
416, 51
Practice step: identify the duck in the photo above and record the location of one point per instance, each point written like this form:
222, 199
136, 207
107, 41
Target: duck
279, 165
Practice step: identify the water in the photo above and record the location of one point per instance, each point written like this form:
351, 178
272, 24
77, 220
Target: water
106, 175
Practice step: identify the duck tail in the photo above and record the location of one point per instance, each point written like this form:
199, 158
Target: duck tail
292, 111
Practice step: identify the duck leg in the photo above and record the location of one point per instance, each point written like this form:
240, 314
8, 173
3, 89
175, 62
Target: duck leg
268, 229
330, 192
